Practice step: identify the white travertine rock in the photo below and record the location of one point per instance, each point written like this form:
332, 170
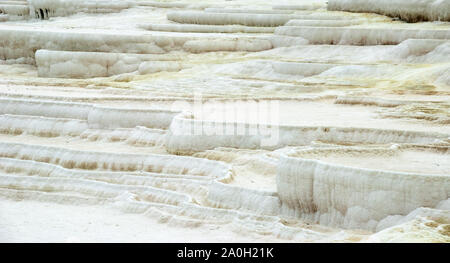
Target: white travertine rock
188, 28
354, 197
17, 9
248, 45
96, 116
209, 18
261, 202
242, 18
19, 42
311, 6
411, 51
409, 10
68, 158
44, 9
296, 123
188, 135
68, 64
324, 23
158, 66
360, 36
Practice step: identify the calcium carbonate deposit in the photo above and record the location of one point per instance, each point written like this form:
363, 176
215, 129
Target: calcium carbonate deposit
226, 121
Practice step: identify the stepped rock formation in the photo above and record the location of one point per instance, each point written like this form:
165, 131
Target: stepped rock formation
229, 121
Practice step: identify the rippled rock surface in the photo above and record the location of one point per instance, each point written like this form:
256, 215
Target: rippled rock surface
269, 121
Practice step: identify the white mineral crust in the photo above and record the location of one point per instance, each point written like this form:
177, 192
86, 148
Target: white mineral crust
227, 121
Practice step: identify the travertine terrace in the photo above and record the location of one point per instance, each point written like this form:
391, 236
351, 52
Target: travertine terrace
229, 121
